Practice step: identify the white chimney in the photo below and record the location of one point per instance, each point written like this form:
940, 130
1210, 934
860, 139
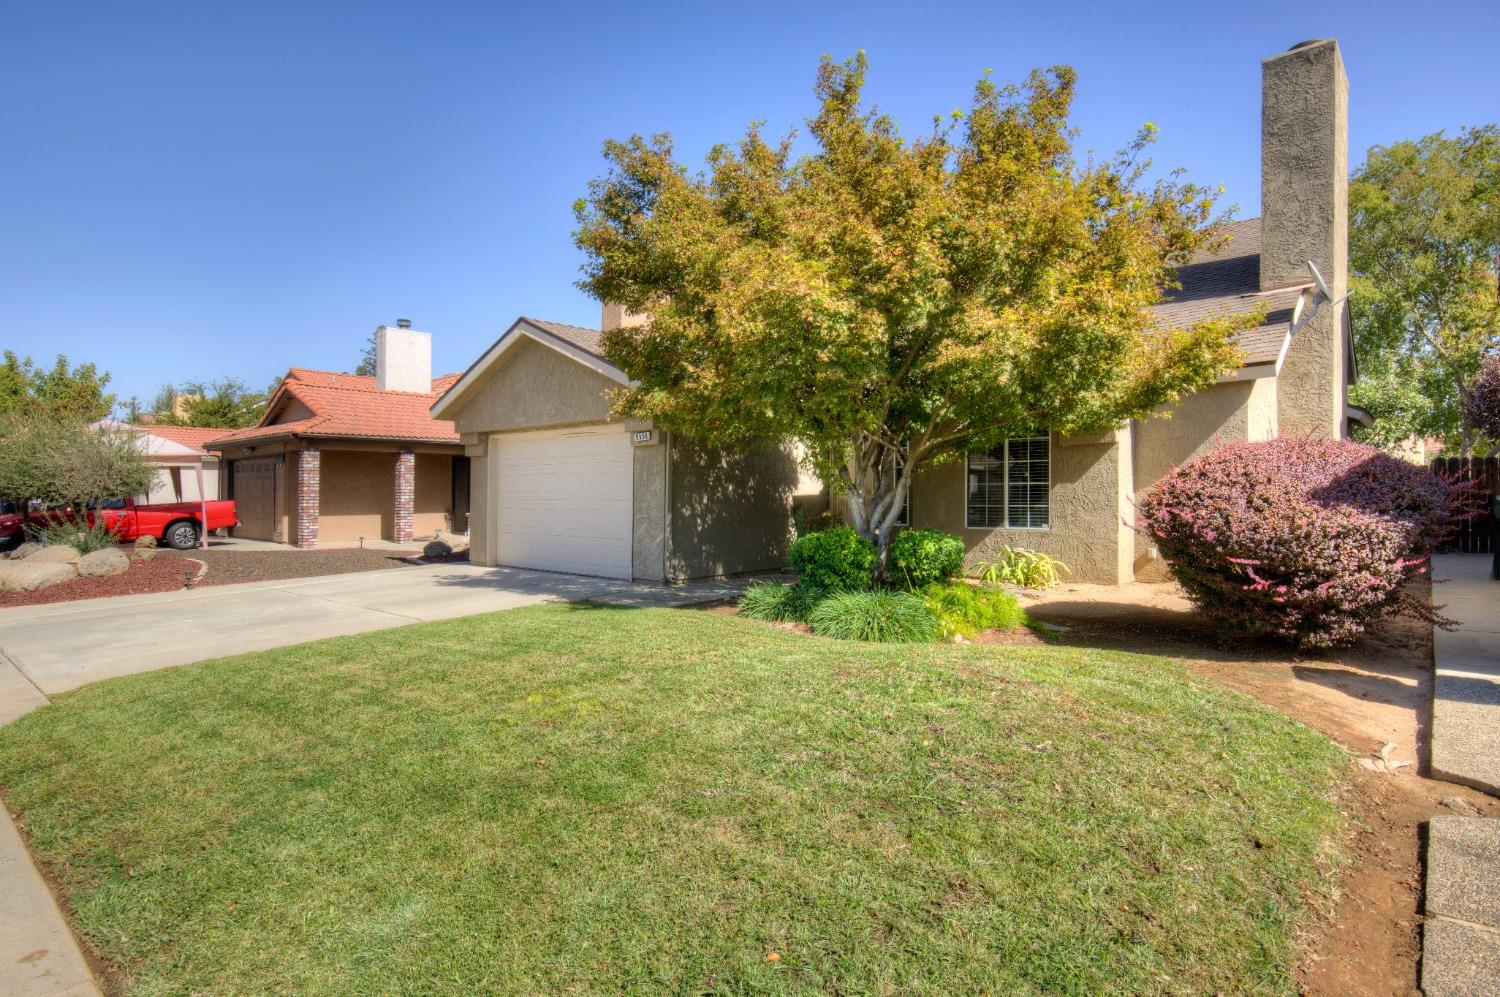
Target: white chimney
403, 358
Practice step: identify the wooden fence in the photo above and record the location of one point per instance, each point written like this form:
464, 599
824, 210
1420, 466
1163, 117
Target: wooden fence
1476, 532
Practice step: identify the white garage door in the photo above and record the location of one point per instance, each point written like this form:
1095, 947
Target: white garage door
564, 501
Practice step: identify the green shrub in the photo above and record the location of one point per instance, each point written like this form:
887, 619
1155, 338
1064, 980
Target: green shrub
922, 557
86, 537
967, 610
1027, 569
836, 559
879, 616
778, 603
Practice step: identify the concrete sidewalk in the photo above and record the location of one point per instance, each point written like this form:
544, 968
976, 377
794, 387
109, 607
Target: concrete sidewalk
1461, 935
1466, 676
45, 650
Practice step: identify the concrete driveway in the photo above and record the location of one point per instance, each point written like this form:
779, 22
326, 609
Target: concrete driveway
50, 649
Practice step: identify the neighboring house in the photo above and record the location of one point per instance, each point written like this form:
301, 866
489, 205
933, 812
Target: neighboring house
558, 484
179, 459
339, 458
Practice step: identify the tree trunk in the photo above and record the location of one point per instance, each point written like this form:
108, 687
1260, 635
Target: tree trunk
876, 480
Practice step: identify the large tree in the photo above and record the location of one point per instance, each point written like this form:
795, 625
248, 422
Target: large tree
890, 303
1424, 248
220, 404
63, 390
66, 461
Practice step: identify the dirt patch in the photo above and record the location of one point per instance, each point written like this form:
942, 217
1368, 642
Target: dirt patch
228, 567
160, 575
1377, 692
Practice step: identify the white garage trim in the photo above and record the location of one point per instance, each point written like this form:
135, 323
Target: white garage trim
563, 500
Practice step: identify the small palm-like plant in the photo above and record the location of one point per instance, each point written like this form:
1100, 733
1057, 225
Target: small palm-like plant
1027, 569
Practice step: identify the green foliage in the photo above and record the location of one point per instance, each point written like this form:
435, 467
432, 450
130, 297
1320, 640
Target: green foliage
1027, 569
922, 557
778, 603
366, 366
221, 404
1423, 244
80, 534
61, 462
891, 302
837, 558
967, 610
880, 616
59, 392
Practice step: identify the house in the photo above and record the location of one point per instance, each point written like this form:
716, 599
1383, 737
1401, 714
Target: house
339, 458
184, 470
558, 484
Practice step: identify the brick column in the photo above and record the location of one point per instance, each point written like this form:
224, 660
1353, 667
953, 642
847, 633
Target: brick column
305, 533
406, 486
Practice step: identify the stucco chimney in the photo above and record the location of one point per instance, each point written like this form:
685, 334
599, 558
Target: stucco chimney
403, 360
617, 316
1304, 193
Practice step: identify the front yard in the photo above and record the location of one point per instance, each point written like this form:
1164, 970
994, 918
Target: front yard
579, 799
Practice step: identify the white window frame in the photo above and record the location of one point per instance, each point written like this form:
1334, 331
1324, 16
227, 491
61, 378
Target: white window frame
1004, 447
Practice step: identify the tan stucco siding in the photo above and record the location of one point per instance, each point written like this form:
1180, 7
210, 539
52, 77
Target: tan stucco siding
432, 499
648, 543
481, 550
1232, 412
731, 512
357, 495
1090, 491
533, 387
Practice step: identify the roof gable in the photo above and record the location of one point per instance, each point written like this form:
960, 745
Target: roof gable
581, 345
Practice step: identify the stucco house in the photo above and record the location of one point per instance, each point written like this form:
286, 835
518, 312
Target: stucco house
339, 458
184, 470
558, 484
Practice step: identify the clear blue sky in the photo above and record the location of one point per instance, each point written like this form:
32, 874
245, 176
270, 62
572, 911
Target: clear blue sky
204, 190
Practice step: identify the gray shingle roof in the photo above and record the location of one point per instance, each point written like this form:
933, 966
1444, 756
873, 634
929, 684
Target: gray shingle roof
1227, 282
587, 340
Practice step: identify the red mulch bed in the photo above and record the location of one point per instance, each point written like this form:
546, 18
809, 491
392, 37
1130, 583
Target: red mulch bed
164, 574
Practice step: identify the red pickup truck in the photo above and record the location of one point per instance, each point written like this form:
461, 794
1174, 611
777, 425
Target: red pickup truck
177, 524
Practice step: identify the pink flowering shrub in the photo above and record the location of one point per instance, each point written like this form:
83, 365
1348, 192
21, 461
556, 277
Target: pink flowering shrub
1302, 539
1482, 410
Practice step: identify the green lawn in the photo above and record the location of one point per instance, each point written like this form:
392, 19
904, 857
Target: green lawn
596, 800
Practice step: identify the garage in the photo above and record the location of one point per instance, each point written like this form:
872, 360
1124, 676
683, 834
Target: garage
563, 500
254, 493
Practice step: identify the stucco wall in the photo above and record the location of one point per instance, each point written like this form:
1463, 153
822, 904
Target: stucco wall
357, 497
731, 512
480, 548
432, 501
1090, 491
649, 512
533, 387
1304, 203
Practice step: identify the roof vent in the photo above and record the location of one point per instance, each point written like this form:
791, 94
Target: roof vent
403, 323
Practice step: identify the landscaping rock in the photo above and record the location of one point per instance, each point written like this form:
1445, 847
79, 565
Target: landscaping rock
146, 541
31, 574
55, 554
145, 553
457, 542
109, 561
25, 550
436, 548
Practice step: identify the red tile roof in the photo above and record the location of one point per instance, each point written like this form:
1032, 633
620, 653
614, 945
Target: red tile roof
188, 436
346, 405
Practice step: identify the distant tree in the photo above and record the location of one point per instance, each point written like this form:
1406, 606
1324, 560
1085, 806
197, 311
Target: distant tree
61, 461
890, 302
164, 402
1424, 255
62, 390
220, 404
366, 366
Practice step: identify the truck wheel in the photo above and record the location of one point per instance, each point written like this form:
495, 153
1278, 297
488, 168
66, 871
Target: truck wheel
182, 536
